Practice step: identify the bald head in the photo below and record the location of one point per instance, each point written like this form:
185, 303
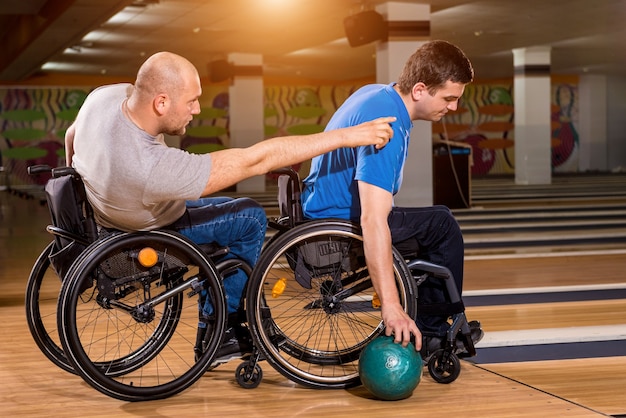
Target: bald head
165, 96
164, 72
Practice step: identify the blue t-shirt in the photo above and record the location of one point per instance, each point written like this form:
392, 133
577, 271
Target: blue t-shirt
331, 189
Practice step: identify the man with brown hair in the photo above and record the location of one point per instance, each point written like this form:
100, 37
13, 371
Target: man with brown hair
359, 184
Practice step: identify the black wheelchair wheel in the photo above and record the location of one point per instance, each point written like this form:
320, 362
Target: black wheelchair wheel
42, 292
127, 326
444, 368
311, 306
248, 376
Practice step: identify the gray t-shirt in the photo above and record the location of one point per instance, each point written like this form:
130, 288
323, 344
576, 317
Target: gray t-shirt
134, 181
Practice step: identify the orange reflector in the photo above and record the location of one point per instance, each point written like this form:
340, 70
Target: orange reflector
147, 257
375, 301
279, 287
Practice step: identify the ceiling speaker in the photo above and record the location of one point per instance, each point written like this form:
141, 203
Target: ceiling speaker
365, 27
220, 70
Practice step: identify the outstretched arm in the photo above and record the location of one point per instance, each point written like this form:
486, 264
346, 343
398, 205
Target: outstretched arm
376, 204
230, 166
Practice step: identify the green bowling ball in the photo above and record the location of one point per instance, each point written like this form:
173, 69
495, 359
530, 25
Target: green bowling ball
389, 371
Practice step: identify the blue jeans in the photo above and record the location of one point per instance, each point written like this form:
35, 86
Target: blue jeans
438, 235
239, 224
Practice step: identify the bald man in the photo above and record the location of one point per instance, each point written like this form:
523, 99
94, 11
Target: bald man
135, 182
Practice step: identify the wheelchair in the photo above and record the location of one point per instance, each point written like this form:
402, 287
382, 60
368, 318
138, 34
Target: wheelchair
127, 309
127, 312
311, 307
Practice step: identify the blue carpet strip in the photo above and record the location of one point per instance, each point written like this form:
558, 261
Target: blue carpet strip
547, 297
540, 352
559, 351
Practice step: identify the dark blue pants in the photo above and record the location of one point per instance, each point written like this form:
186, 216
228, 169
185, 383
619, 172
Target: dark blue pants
438, 235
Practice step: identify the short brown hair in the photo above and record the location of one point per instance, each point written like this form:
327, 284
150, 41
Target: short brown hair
433, 64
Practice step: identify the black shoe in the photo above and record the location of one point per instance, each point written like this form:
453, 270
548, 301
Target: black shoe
476, 334
429, 346
237, 343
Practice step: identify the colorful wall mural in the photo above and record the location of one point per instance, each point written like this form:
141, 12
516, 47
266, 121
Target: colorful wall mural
485, 120
33, 122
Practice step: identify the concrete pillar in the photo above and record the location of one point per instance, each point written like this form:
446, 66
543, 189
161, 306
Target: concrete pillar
532, 115
246, 109
408, 29
592, 93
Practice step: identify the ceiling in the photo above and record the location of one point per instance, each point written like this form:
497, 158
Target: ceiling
296, 38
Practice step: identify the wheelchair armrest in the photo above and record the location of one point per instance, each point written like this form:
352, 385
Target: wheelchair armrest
55, 230
277, 225
38, 169
437, 270
289, 172
63, 171
214, 250
56, 171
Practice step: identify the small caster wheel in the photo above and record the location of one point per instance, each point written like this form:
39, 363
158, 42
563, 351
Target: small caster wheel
444, 371
248, 377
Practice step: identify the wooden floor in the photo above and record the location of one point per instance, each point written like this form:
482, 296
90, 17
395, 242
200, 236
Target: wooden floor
498, 382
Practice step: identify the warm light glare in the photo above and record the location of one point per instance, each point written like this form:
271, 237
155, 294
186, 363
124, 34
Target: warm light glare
58, 66
278, 9
341, 42
120, 18
276, 3
94, 35
304, 52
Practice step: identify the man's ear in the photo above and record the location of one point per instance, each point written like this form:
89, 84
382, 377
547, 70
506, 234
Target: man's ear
161, 103
418, 90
